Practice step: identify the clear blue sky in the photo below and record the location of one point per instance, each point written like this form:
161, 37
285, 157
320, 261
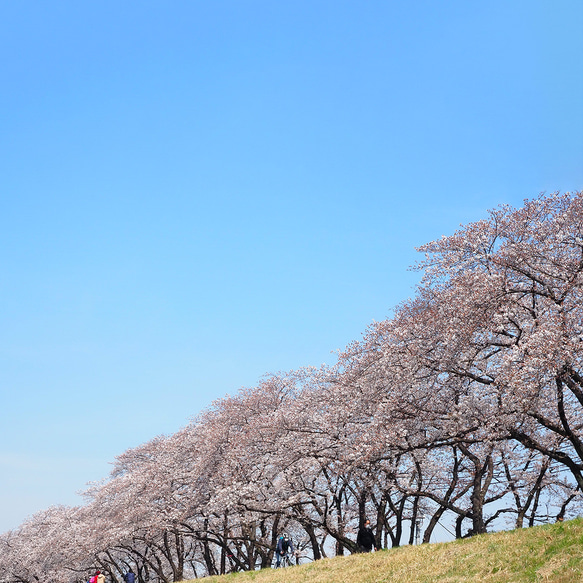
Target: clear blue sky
194, 194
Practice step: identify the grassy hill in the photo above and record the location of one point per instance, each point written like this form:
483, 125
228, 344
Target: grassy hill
549, 554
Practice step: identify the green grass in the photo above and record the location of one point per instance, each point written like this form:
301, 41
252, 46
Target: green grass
546, 554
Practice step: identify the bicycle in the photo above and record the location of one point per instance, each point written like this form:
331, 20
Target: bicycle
285, 561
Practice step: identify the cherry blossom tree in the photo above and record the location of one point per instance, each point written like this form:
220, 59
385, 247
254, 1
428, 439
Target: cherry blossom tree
466, 405
508, 291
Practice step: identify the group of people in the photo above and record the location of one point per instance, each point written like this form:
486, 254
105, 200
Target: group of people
99, 577
365, 540
284, 548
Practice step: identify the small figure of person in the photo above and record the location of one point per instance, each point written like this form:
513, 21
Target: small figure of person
100, 577
130, 577
365, 538
284, 546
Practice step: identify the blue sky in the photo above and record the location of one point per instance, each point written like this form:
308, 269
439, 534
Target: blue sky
195, 194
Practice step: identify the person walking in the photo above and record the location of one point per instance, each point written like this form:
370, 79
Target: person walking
365, 538
130, 577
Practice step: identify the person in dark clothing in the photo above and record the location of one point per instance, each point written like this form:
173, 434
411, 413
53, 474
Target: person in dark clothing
365, 539
129, 577
284, 546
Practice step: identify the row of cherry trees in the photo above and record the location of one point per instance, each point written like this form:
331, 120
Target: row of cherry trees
463, 410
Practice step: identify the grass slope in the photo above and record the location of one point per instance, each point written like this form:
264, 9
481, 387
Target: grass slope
549, 554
